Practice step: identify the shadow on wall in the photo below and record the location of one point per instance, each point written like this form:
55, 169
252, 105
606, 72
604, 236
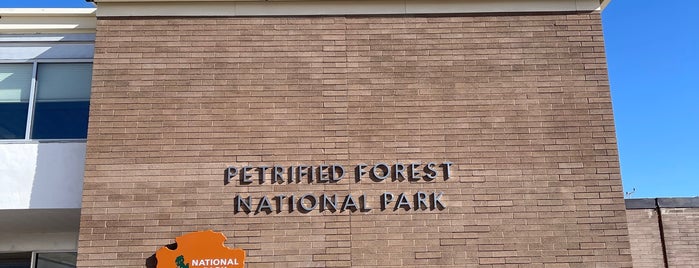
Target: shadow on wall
58, 178
152, 261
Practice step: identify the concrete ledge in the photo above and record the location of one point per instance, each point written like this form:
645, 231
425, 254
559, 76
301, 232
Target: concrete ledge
47, 20
649, 203
39, 229
145, 8
678, 202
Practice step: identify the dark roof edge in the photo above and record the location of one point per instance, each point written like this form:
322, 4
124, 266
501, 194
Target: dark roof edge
674, 202
640, 203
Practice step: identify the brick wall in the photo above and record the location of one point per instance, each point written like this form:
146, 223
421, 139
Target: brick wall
681, 227
519, 104
672, 233
644, 235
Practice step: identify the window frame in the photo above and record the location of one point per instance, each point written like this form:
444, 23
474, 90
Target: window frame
34, 259
32, 98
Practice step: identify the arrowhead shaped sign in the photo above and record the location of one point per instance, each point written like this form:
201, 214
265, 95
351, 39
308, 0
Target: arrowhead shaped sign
203, 249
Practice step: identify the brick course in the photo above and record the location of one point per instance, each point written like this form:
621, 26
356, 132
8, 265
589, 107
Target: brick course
644, 233
681, 227
519, 103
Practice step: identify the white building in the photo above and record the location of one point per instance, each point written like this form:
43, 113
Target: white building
45, 73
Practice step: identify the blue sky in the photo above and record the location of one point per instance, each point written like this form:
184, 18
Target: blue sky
653, 56
653, 59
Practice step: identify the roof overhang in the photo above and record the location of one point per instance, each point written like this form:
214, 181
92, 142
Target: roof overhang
108, 8
47, 20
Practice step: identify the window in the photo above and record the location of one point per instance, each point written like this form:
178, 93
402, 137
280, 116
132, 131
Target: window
16, 260
15, 85
44, 100
55, 260
39, 260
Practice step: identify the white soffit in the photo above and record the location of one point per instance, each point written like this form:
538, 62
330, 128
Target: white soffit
47, 20
112, 8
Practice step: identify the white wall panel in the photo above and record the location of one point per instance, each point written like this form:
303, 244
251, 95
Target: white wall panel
41, 175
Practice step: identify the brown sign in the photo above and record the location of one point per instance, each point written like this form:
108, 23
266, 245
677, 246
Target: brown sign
200, 250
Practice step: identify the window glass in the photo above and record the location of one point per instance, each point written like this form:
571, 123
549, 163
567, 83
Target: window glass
15, 85
63, 101
56, 260
16, 260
